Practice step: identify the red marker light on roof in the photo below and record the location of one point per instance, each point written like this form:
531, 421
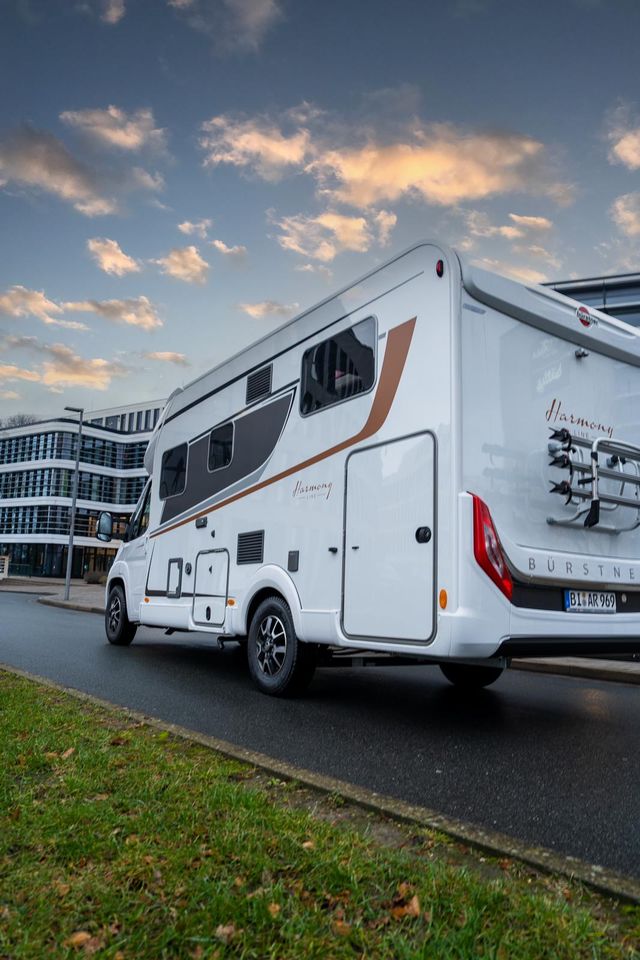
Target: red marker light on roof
487, 549
440, 267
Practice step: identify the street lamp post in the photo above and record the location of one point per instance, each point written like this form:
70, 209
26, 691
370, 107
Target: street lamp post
76, 479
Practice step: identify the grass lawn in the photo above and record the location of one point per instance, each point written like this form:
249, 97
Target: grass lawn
117, 840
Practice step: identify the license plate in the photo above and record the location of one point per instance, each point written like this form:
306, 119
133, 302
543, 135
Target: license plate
589, 601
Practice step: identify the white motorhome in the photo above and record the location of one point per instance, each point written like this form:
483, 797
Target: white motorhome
435, 463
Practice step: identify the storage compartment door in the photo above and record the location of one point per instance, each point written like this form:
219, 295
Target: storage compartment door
211, 588
389, 541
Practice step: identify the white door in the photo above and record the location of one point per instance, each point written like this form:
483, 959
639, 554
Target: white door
389, 541
211, 587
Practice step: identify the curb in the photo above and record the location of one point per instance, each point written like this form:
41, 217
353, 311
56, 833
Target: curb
598, 878
69, 605
620, 673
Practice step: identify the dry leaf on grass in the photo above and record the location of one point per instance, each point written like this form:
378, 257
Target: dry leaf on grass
225, 932
78, 939
308, 845
68, 753
274, 909
342, 928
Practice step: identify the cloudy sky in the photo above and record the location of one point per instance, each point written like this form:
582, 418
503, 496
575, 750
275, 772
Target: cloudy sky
177, 177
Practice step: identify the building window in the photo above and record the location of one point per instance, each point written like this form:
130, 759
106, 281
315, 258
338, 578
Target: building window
339, 368
221, 446
173, 473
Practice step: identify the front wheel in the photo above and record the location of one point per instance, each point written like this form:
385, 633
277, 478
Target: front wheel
120, 630
279, 663
470, 677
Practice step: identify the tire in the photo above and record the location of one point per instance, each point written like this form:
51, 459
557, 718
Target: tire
279, 663
120, 631
470, 677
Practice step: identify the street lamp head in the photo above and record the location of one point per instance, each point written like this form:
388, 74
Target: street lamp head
79, 410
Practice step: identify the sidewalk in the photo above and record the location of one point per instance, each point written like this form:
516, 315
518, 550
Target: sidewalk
89, 598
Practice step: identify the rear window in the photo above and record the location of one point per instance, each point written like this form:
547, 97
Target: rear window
173, 473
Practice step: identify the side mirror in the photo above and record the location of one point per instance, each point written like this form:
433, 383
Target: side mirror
105, 527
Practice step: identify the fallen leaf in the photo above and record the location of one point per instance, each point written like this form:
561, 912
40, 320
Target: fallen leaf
404, 890
118, 955
413, 907
78, 939
68, 753
62, 889
225, 932
308, 845
342, 928
274, 909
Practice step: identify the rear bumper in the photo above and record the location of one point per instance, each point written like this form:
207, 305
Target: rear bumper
564, 646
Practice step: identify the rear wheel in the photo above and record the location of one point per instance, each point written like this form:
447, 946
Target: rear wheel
470, 677
120, 630
279, 663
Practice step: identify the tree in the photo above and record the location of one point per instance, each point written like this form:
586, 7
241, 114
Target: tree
18, 420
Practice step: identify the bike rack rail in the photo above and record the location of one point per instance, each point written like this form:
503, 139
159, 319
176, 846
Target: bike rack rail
566, 452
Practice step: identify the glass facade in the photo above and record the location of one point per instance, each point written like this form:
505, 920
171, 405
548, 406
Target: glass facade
618, 296
37, 464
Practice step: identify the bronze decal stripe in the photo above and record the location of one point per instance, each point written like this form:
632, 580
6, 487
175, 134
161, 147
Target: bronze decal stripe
398, 343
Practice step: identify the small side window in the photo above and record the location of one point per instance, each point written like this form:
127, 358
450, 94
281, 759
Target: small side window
173, 474
221, 446
339, 368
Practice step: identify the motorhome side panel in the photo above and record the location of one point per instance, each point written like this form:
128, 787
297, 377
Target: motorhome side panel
277, 506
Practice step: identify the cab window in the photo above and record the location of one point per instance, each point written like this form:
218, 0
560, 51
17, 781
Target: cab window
140, 520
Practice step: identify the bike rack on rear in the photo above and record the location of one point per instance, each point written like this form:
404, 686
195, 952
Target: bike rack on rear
566, 452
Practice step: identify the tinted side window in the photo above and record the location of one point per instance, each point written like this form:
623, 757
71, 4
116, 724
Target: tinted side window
339, 368
173, 475
221, 446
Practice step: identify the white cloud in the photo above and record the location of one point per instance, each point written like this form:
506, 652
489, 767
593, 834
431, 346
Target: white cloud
625, 213
624, 137
9, 395
385, 223
269, 308
541, 253
330, 233
9, 372
34, 158
196, 228
135, 311
314, 268
184, 263
238, 252
114, 127
531, 223
113, 11
168, 356
523, 273
232, 24
67, 369
254, 144
59, 367
111, 258
439, 163
479, 225
19, 301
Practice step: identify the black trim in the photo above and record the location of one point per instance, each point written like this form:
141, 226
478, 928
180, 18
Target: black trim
566, 646
538, 597
174, 594
293, 346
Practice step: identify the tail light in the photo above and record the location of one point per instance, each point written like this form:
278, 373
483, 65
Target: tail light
487, 550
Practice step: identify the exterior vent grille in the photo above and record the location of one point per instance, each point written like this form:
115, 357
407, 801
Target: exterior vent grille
250, 547
259, 384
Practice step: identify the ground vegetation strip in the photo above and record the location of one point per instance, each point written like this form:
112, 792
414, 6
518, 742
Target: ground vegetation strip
118, 840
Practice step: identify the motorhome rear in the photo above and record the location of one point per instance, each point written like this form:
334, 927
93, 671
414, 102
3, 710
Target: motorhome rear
436, 463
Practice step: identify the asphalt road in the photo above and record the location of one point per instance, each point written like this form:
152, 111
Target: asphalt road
550, 760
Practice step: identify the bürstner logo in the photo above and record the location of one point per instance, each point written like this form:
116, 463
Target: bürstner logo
585, 318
